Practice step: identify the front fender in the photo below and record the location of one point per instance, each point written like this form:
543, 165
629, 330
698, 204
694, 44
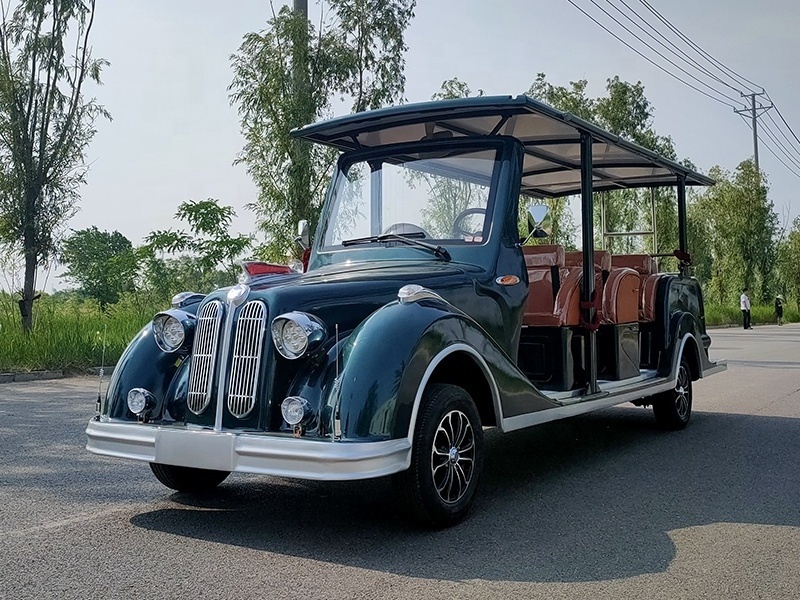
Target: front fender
385, 363
144, 365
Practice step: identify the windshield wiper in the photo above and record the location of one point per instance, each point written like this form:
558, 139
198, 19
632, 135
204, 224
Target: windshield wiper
394, 237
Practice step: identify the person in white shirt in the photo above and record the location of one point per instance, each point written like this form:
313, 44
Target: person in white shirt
744, 304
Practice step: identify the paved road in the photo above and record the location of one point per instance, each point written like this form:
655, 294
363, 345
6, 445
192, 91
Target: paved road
601, 506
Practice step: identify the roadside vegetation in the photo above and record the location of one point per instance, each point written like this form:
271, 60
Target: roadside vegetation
119, 289
737, 237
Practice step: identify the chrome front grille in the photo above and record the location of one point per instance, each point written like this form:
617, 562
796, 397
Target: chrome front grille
204, 356
246, 360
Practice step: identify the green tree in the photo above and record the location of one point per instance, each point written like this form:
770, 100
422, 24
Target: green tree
287, 75
103, 264
205, 256
788, 253
46, 124
742, 226
625, 111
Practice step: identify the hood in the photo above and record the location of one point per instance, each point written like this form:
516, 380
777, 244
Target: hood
345, 294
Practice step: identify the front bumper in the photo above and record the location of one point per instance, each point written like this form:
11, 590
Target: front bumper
248, 453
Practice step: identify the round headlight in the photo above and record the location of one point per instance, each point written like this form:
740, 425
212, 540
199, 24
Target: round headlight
296, 333
294, 338
169, 332
139, 400
294, 409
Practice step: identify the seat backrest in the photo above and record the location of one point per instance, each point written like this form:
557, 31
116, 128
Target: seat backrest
602, 260
545, 255
644, 264
544, 265
649, 290
621, 296
568, 300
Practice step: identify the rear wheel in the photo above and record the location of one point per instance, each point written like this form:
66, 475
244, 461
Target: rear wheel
673, 409
446, 461
188, 479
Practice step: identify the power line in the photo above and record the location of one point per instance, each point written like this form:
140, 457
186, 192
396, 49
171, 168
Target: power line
733, 75
681, 69
670, 46
739, 81
784, 120
778, 144
781, 131
767, 146
648, 59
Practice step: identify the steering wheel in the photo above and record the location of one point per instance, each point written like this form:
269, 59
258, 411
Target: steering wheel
458, 223
407, 229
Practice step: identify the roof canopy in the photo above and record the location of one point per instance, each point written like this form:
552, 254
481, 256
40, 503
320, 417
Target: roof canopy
552, 165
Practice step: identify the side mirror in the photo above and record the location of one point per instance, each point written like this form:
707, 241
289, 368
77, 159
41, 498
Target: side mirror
302, 234
536, 215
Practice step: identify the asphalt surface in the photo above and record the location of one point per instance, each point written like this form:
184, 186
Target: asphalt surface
600, 506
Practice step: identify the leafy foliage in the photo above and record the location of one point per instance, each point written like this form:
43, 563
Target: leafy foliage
103, 264
741, 226
286, 76
624, 111
204, 256
788, 253
46, 124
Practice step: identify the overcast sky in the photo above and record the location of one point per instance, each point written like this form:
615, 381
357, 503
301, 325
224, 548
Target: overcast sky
174, 135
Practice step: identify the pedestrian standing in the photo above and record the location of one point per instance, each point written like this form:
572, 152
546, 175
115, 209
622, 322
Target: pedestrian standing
744, 304
779, 308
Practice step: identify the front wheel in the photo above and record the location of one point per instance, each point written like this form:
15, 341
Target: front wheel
446, 461
188, 479
673, 409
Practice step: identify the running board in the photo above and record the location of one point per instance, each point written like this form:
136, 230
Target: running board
577, 405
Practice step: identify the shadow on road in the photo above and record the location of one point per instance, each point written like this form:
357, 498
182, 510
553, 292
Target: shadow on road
591, 498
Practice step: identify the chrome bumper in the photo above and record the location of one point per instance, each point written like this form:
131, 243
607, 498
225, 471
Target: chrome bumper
248, 453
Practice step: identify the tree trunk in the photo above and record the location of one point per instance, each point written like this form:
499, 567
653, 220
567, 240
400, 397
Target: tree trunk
29, 251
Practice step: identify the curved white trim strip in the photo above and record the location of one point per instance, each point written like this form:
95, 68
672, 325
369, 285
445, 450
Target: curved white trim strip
459, 347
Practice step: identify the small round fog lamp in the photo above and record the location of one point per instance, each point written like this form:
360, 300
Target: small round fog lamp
139, 400
294, 409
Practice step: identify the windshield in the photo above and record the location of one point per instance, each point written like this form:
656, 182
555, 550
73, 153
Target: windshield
441, 197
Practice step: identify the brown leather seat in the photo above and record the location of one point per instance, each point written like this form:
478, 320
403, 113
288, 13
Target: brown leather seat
649, 290
644, 264
602, 260
545, 266
647, 268
621, 297
602, 267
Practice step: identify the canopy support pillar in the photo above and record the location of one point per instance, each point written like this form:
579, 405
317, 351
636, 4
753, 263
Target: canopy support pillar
587, 289
682, 234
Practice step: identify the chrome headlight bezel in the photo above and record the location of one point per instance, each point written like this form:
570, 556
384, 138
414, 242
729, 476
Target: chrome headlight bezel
173, 330
308, 328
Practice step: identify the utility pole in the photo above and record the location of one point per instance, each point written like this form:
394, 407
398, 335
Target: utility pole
755, 112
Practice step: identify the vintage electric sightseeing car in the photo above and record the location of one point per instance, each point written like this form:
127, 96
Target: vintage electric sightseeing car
420, 316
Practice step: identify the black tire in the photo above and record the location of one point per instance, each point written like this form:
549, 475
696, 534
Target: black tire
673, 409
188, 479
438, 488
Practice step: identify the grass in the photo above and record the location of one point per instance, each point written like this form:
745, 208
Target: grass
69, 334
724, 314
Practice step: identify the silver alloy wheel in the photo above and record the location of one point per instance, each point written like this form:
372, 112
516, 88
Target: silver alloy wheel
682, 391
453, 456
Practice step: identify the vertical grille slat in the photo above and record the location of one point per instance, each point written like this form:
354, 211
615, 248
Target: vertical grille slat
247, 348
204, 356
